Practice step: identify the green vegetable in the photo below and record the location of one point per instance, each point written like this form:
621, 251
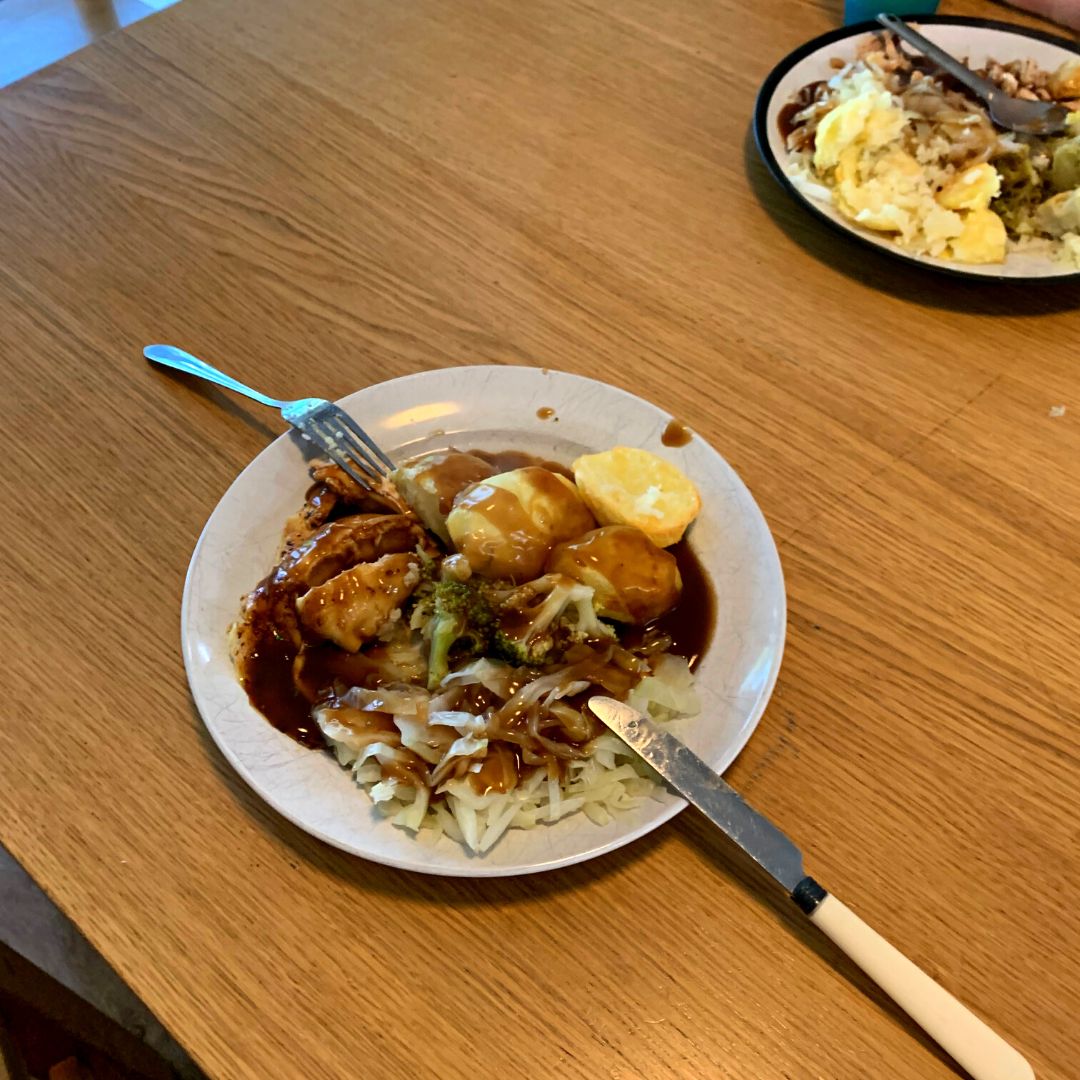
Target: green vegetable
1065, 171
1021, 189
545, 616
461, 620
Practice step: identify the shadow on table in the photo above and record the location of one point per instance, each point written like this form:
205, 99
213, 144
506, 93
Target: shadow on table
731, 864
890, 275
688, 828
248, 411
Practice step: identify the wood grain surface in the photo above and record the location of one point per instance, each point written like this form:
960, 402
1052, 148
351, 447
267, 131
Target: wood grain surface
322, 196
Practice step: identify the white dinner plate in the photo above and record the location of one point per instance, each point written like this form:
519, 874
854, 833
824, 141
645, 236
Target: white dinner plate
973, 40
489, 408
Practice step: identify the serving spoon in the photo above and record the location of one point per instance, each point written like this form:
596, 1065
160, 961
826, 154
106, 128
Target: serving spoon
1013, 114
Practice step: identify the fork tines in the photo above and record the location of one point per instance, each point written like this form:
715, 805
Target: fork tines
347, 445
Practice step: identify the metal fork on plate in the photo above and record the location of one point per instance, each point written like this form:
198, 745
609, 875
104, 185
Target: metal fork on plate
321, 422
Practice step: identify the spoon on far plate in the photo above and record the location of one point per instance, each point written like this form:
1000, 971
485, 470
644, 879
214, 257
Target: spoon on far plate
1013, 114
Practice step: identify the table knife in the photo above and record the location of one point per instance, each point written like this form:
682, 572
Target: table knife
975, 1046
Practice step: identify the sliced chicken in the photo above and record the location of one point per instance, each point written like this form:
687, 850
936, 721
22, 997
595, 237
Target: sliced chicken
353, 606
334, 491
319, 504
267, 637
379, 498
345, 542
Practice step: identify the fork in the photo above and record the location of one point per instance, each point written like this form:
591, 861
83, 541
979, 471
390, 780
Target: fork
321, 422
1013, 114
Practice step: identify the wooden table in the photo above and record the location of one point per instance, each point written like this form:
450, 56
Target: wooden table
320, 196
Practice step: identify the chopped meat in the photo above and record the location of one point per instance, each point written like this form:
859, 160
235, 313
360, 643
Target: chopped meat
334, 494
353, 606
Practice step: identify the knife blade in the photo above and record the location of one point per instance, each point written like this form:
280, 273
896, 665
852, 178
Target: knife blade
976, 1046
699, 784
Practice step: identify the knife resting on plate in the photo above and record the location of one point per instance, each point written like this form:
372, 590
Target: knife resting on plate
975, 1046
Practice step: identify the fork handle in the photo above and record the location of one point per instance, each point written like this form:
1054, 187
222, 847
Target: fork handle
171, 356
983, 87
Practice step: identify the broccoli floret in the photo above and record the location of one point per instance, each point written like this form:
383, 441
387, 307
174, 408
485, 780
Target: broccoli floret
447, 630
529, 652
544, 616
429, 569
462, 619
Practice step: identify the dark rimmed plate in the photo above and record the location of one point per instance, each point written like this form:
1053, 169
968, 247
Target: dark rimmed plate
973, 39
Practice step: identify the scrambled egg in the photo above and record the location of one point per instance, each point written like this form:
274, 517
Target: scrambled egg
881, 186
983, 238
1065, 82
972, 189
868, 117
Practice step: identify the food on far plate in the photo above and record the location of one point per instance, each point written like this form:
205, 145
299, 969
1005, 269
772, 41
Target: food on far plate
443, 636
903, 150
628, 486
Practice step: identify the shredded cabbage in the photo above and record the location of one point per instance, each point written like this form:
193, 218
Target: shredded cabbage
668, 692
494, 675
452, 744
411, 700
601, 785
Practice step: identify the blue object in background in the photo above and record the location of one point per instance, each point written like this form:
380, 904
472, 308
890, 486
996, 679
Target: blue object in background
856, 11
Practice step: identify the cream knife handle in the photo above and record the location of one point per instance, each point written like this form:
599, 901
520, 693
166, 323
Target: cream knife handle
984, 1053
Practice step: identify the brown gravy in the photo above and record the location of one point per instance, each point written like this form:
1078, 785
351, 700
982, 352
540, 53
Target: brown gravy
321, 663
644, 579
785, 120
450, 472
508, 460
691, 622
676, 434
513, 552
267, 676
270, 637
515, 543
500, 770
287, 672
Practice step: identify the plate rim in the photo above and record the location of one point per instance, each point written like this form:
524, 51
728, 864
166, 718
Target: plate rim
477, 870
761, 136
